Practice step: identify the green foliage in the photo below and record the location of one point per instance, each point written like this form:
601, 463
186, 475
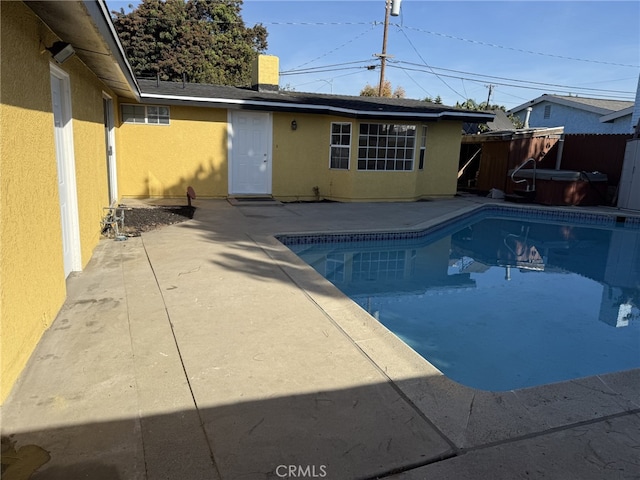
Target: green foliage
437, 100
471, 104
205, 40
517, 123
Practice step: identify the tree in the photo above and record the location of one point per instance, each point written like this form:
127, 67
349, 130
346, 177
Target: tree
516, 121
437, 100
204, 40
471, 104
387, 91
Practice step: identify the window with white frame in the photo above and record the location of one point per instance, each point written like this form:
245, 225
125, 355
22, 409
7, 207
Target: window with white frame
423, 147
386, 147
147, 114
340, 145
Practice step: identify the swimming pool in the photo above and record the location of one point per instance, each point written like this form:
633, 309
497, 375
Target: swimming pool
501, 299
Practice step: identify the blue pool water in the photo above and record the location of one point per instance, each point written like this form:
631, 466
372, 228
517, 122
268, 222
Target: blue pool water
496, 302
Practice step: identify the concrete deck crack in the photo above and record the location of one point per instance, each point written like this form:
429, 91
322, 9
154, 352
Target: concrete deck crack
184, 369
135, 377
548, 431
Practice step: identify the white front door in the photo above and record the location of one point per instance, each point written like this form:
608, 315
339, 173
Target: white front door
63, 135
250, 153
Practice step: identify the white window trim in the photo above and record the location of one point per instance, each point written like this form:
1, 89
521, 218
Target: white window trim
348, 147
146, 114
413, 158
422, 152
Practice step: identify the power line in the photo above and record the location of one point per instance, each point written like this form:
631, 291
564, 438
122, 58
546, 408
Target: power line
339, 69
320, 68
321, 24
468, 76
401, 26
425, 63
531, 82
567, 90
337, 48
324, 80
417, 84
463, 75
493, 45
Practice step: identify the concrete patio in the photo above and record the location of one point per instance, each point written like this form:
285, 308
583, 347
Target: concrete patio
207, 350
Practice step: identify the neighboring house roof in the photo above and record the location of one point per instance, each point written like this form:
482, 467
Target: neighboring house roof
288, 101
501, 122
615, 115
600, 106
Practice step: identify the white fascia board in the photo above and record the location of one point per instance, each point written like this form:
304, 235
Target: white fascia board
223, 102
100, 13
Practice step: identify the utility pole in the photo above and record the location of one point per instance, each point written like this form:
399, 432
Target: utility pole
489, 96
383, 56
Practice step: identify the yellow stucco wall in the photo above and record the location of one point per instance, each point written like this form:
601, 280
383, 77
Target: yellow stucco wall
32, 281
301, 162
301, 156
163, 160
440, 174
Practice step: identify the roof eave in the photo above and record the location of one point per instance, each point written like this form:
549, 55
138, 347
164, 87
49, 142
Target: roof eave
102, 18
87, 26
615, 115
274, 106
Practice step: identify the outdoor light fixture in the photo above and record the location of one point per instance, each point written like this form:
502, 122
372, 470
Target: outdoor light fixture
61, 51
294, 125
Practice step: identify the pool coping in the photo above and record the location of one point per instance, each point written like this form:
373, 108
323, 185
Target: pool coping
470, 418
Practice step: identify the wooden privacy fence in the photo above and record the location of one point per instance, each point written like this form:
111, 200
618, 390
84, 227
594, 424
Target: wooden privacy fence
500, 156
580, 152
591, 153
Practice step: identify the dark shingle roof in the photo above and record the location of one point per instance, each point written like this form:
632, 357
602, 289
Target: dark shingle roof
350, 106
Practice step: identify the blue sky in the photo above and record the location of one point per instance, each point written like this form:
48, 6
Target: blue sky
455, 49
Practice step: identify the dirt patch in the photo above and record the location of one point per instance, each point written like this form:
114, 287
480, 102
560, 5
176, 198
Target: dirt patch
144, 219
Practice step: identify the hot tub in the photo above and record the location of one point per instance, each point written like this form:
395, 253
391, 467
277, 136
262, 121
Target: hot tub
565, 187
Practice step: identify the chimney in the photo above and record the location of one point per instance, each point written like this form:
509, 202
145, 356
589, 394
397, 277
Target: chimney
265, 73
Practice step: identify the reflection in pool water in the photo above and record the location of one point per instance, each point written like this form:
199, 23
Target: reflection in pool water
500, 303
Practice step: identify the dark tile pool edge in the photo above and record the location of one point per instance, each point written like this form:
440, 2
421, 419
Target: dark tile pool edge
529, 213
